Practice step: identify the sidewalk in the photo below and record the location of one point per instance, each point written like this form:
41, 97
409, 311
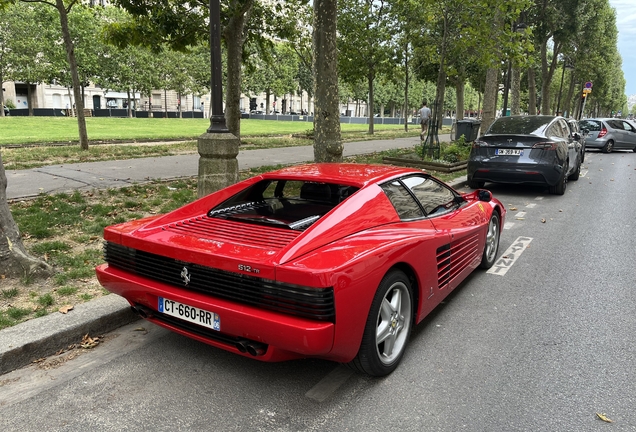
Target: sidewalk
113, 174
41, 337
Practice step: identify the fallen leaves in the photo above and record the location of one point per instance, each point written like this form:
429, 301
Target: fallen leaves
89, 342
65, 309
604, 418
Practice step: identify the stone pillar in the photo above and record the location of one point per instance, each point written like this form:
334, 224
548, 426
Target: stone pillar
218, 166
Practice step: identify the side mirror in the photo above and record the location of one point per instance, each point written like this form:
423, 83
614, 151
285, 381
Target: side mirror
484, 195
577, 136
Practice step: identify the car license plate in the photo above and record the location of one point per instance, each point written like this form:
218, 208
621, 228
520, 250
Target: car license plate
509, 152
190, 313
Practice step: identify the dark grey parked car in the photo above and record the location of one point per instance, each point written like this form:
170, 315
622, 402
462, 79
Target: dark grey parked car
526, 149
609, 134
578, 135
6, 110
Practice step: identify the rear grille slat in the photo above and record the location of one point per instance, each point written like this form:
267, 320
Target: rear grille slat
306, 302
235, 232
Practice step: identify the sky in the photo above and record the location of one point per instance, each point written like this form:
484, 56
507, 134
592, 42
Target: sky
626, 23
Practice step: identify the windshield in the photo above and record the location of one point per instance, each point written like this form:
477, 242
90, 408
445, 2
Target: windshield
590, 125
288, 204
520, 125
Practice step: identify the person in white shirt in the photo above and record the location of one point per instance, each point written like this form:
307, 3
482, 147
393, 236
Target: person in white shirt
425, 116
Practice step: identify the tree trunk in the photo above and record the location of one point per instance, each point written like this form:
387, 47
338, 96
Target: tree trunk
370, 104
327, 140
14, 259
490, 98
515, 88
532, 92
406, 88
29, 98
459, 107
234, 39
70, 55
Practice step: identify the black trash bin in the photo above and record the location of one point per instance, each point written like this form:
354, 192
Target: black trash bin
469, 128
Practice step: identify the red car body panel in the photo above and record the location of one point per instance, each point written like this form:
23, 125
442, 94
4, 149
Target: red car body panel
351, 248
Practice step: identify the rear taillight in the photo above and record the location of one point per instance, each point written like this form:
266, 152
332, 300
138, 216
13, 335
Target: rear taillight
478, 143
603, 132
546, 145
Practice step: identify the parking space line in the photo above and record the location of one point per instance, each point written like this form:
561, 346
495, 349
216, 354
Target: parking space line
510, 256
329, 384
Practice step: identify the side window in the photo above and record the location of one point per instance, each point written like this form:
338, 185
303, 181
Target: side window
434, 197
553, 131
627, 127
403, 202
616, 124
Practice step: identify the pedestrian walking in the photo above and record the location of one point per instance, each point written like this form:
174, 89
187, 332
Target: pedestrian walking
425, 117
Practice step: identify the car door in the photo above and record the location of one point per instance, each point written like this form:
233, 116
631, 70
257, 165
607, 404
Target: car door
630, 135
463, 223
619, 134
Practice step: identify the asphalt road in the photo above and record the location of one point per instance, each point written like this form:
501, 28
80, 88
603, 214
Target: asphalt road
544, 343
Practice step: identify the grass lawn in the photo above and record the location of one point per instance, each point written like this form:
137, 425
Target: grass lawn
29, 130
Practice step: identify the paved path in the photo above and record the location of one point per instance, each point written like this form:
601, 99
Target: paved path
110, 174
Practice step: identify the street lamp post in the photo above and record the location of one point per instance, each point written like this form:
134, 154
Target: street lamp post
218, 148
217, 119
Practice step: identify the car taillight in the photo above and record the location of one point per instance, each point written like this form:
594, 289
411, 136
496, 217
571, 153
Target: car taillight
603, 132
546, 145
478, 143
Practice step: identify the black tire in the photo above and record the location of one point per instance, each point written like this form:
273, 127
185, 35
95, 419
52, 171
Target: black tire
491, 247
634, 149
476, 184
390, 320
583, 153
559, 188
576, 174
608, 147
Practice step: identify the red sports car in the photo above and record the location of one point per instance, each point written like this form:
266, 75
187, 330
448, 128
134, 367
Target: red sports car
336, 261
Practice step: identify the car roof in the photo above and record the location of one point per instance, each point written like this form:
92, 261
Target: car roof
350, 174
521, 124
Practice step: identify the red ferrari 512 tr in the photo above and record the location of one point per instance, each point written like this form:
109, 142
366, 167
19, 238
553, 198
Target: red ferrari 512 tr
336, 261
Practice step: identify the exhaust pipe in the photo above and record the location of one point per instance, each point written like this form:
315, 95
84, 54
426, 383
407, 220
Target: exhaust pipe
252, 348
242, 346
256, 349
143, 311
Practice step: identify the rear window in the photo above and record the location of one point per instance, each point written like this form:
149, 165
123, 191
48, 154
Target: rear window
590, 125
523, 125
283, 203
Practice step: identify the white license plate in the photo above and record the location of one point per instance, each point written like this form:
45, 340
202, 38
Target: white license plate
509, 152
190, 313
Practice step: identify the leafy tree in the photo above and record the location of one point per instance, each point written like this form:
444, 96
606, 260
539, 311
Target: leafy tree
182, 26
363, 48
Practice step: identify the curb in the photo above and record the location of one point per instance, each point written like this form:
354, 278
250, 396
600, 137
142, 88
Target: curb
41, 337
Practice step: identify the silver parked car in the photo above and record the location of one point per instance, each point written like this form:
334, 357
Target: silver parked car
526, 149
609, 134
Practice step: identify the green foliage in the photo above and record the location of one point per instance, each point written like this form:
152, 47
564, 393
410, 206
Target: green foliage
10, 293
46, 300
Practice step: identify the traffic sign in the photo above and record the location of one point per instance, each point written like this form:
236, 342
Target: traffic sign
587, 90
588, 85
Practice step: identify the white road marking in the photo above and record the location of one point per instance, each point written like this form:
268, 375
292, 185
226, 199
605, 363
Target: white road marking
521, 214
329, 384
509, 225
510, 256
539, 198
531, 205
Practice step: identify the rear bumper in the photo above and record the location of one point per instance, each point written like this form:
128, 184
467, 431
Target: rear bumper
283, 337
597, 143
514, 173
